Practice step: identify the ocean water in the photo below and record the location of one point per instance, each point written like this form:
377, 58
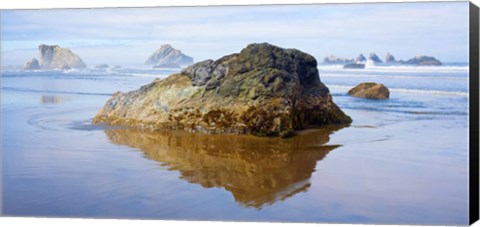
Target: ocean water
402, 161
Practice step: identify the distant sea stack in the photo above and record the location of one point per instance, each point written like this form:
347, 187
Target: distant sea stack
32, 64
390, 59
422, 60
374, 58
55, 57
264, 90
336, 60
168, 56
370, 90
361, 59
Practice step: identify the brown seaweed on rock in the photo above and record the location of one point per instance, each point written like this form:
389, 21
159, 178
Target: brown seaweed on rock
264, 90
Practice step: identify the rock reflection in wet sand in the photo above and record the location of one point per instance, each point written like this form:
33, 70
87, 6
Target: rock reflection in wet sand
48, 99
257, 171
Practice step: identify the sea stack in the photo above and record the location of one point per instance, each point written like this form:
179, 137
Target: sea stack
264, 90
374, 58
32, 64
55, 57
166, 55
423, 60
390, 59
360, 59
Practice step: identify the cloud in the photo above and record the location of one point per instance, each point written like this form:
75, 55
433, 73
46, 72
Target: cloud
347, 29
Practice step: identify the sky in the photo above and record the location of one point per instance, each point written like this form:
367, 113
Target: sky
127, 36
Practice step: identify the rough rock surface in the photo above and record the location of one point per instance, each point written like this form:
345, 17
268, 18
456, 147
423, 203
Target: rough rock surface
354, 66
55, 57
168, 55
263, 90
423, 60
336, 60
370, 90
390, 59
361, 58
32, 64
373, 57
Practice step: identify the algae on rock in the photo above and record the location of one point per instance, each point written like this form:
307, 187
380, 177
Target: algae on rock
264, 90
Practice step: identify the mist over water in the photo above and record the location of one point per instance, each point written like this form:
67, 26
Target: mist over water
402, 161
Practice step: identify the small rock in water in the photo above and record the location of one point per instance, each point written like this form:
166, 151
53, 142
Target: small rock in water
370, 90
354, 66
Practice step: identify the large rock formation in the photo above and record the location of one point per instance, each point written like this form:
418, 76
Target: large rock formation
167, 55
32, 64
263, 90
370, 90
374, 58
55, 57
336, 60
390, 59
360, 58
422, 60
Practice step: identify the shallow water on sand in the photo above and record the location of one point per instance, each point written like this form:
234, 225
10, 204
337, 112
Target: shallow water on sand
402, 161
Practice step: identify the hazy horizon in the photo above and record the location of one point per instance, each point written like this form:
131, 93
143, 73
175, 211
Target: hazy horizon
128, 36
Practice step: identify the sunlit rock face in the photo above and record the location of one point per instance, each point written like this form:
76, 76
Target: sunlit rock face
264, 90
56, 57
370, 90
258, 171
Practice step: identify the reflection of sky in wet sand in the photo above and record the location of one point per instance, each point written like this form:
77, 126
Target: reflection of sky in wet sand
257, 171
50, 99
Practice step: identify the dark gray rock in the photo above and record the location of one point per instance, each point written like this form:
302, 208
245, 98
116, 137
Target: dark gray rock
354, 66
390, 59
361, 58
422, 60
374, 58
